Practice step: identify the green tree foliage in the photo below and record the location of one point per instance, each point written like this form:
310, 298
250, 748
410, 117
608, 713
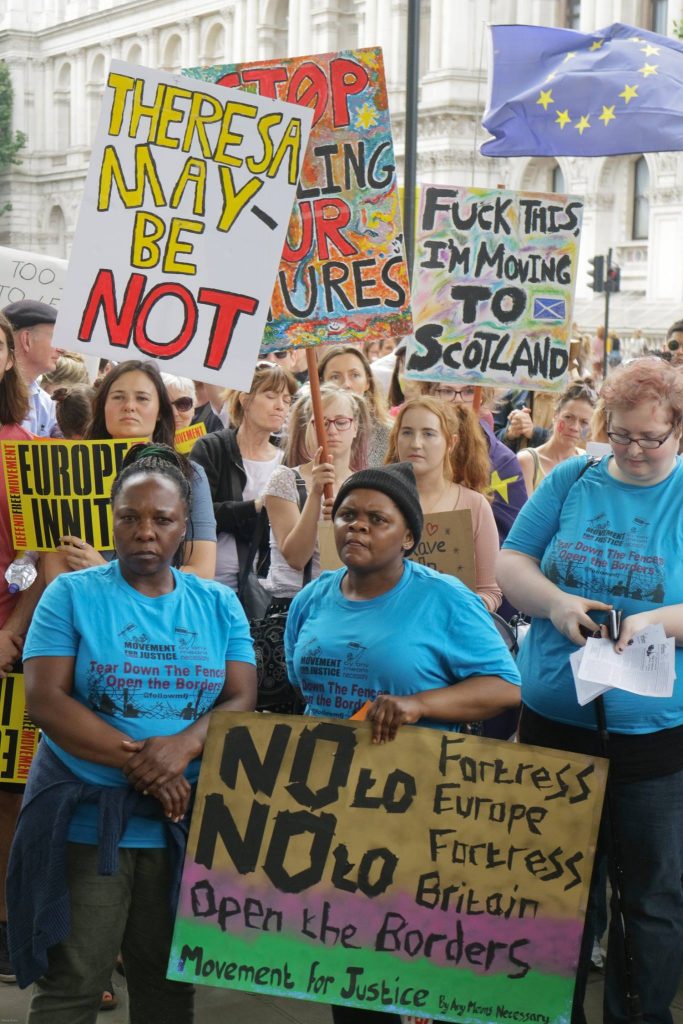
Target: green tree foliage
10, 141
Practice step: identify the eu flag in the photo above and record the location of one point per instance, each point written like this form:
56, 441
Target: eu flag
556, 92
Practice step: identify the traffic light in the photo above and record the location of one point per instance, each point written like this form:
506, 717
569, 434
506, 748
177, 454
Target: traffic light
613, 282
596, 274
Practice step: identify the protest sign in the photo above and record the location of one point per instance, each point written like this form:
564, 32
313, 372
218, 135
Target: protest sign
28, 275
56, 488
343, 275
318, 869
185, 210
493, 287
185, 438
18, 735
447, 545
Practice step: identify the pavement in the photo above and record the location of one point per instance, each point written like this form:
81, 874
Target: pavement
216, 1005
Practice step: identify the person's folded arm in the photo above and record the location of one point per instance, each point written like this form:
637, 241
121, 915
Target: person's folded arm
468, 700
156, 760
48, 681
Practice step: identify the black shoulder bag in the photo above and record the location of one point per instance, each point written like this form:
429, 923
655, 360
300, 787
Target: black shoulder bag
267, 621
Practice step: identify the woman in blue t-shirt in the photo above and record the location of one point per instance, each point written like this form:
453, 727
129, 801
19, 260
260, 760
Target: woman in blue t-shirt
417, 644
121, 675
593, 537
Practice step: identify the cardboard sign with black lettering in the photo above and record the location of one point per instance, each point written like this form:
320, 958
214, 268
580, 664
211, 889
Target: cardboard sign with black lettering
57, 488
184, 214
441, 875
493, 287
447, 545
18, 734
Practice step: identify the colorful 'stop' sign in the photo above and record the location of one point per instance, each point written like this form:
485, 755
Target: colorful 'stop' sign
343, 274
493, 287
441, 875
184, 215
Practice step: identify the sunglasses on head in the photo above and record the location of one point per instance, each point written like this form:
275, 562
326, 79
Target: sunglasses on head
183, 404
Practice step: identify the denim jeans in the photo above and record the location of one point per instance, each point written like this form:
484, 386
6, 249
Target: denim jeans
649, 827
129, 911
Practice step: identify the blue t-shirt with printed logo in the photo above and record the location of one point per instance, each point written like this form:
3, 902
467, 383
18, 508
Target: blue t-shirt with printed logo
149, 666
427, 632
614, 542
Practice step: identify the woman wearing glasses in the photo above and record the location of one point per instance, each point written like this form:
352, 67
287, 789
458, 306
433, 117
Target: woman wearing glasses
182, 396
294, 494
570, 429
348, 368
591, 538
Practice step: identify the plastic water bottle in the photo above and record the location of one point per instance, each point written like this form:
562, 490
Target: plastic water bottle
21, 572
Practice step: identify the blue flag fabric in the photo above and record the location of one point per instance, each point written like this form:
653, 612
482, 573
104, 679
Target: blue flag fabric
557, 92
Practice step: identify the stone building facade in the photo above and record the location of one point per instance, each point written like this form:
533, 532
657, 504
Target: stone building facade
58, 52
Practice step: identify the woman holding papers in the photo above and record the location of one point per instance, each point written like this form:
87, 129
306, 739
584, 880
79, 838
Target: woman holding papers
592, 538
448, 454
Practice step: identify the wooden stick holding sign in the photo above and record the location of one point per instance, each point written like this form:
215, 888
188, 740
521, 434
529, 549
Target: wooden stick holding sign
318, 417
447, 545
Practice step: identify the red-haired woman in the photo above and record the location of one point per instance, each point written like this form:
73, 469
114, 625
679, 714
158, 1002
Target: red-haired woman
592, 538
448, 453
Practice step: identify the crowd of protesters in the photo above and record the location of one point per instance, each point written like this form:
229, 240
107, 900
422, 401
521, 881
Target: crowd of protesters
250, 497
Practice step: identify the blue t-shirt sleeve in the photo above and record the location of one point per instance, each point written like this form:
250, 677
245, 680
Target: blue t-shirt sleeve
240, 646
295, 616
488, 656
202, 518
539, 520
52, 630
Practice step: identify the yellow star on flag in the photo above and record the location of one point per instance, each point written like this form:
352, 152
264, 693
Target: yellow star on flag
550, 76
648, 69
582, 124
650, 51
636, 39
607, 115
563, 118
498, 486
597, 44
569, 56
545, 98
630, 91
366, 116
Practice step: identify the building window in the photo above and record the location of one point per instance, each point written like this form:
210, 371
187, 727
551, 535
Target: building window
280, 28
658, 16
557, 182
572, 17
641, 205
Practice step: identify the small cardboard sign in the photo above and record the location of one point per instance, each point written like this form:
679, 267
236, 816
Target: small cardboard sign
447, 545
56, 488
185, 437
18, 735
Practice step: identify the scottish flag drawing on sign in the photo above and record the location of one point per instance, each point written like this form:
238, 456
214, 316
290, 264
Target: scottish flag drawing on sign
549, 309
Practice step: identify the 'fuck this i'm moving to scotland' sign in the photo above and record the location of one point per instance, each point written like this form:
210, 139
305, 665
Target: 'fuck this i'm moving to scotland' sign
493, 287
